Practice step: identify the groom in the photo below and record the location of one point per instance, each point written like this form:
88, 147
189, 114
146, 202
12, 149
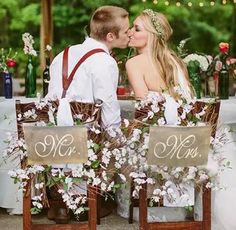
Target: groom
97, 77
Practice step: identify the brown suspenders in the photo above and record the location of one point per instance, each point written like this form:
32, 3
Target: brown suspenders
66, 81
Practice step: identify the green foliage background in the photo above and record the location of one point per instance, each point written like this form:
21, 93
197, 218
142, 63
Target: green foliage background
207, 26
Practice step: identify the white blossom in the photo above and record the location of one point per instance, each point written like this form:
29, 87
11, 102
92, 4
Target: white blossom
202, 60
28, 44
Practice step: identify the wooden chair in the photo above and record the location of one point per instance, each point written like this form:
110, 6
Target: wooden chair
210, 117
92, 193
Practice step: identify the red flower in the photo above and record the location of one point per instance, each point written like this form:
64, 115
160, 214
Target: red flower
11, 63
224, 47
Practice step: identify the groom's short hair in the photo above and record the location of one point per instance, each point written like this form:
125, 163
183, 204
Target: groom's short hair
104, 20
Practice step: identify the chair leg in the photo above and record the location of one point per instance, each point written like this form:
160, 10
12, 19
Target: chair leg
131, 205
27, 222
206, 202
99, 204
131, 209
92, 203
143, 207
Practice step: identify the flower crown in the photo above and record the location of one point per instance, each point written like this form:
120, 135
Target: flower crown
154, 21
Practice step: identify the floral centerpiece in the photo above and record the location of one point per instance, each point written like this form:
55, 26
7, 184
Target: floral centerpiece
206, 68
7, 60
28, 40
223, 83
217, 64
196, 64
7, 65
30, 75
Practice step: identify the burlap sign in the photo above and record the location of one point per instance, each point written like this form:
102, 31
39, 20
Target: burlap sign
179, 146
56, 145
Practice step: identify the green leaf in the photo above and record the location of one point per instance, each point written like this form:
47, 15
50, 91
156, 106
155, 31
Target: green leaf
145, 130
77, 180
151, 203
65, 187
189, 208
35, 210
116, 187
95, 164
96, 147
16, 180
78, 122
125, 131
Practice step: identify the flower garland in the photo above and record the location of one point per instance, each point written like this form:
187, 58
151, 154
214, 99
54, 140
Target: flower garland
165, 181
104, 161
128, 159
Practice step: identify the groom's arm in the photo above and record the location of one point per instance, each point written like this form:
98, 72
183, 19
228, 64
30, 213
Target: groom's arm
105, 80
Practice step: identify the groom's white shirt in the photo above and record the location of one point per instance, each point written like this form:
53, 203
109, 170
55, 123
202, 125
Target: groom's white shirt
96, 78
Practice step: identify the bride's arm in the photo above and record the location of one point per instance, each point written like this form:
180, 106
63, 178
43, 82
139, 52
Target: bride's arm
136, 78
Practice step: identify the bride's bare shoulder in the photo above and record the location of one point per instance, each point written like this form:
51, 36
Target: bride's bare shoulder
135, 61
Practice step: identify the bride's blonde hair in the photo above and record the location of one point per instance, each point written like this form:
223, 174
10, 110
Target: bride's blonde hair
164, 59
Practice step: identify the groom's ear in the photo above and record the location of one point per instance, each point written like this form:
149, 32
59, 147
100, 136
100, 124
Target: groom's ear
110, 37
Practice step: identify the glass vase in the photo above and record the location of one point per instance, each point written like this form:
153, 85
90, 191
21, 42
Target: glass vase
211, 85
30, 79
7, 85
196, 83
46, 77
197, 87
195, 78
1, 83
223, 87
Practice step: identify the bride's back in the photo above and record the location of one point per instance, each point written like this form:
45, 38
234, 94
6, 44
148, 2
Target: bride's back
142, 72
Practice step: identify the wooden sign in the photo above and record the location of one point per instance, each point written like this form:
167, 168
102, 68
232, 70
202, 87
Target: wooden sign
179, 146
56, 145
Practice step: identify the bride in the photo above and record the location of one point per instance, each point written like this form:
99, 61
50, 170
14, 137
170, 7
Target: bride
156, 68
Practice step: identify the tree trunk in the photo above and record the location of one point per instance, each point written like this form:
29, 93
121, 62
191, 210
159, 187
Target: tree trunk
233, 34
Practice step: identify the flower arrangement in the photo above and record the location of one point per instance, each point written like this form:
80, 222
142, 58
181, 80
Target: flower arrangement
205, 67
201, 61
28, 44
28, 41
30, 76
196, 64
7, 60
216, 64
